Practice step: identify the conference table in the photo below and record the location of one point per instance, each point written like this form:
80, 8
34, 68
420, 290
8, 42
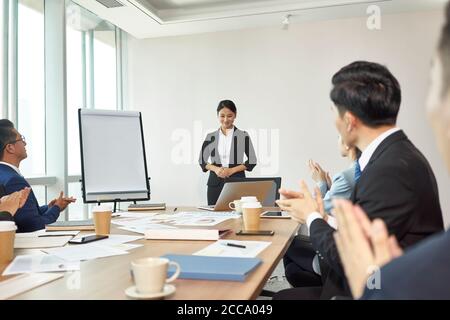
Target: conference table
108, 278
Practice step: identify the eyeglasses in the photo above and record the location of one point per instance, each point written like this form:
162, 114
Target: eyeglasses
22, 138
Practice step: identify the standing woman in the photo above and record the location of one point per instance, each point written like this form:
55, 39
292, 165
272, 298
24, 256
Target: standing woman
223, 151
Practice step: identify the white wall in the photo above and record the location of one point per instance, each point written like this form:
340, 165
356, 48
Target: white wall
279, 80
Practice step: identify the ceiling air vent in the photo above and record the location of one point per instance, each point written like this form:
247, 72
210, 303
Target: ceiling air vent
110, 3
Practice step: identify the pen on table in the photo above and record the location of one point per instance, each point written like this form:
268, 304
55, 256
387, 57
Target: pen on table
234, 245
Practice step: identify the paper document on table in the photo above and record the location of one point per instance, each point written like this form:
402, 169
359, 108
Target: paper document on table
137, 214
141, 229
19, 284
222, 214
33, 263
126, 246
40, 242
45, 233
125, 222
222, 248
81, 252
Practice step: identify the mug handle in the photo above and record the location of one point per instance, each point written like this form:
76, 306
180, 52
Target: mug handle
177, 272
232, 207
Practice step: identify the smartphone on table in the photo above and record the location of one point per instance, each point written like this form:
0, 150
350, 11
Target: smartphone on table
275, 214
87, 239
255, 233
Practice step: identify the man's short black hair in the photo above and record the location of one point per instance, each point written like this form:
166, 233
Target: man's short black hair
7, 135
444, 52
227, 104
369, 91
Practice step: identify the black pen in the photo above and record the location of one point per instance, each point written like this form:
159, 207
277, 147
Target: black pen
235, 245
175, 209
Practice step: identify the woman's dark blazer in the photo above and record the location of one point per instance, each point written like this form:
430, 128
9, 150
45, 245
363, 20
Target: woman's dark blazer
240, 145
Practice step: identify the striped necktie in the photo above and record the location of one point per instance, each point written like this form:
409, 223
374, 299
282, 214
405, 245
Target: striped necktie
357, 171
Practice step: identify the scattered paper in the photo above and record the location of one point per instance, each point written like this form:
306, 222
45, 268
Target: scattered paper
40, 242
137, 214
126, 246
221, 249
81, 252
19, 284
44, 233
141, 229
40, 263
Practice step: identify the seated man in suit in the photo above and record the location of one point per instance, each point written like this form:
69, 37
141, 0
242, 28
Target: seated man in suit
31, 216
300, 261
396, 184
423, 271
11, 203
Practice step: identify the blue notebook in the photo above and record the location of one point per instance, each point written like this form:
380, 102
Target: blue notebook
213, 268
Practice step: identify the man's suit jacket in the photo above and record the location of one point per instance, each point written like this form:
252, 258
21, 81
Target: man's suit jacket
240, 145
397, 186
31, 216
422, 272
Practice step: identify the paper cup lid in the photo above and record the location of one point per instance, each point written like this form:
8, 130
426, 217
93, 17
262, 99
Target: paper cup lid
251, 205
7, 226
101, 208
249, 199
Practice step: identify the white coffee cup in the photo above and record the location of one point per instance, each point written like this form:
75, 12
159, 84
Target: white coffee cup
249, 199
7, 236
150, 274
236, 205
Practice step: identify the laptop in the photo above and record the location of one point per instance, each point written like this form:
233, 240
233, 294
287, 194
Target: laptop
235, 190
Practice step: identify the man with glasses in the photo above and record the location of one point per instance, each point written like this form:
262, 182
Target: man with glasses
30, 217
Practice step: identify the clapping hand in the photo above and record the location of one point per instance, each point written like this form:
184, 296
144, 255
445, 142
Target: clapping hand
12, 202
363, 246
301, 204
317, 173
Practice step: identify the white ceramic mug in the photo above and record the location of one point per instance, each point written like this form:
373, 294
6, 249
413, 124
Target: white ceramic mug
150, 274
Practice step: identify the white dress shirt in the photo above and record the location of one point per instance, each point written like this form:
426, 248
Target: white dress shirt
11, 166
224, 146
363, 161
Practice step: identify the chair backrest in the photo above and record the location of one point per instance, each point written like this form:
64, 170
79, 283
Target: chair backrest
272, 195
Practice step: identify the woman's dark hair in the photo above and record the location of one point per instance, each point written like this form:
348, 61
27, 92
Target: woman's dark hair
227, 104
369, 91
444, 52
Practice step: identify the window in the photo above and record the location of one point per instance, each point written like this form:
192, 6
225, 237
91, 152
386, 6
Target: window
31, 88
105, 67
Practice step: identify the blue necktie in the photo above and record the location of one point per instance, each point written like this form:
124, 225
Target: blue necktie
357, 171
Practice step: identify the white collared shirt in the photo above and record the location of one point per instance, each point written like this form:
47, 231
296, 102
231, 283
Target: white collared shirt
11, 166
224, 146
370, 149
363, 161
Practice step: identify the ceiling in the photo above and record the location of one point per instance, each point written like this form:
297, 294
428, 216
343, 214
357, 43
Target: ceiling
160, 18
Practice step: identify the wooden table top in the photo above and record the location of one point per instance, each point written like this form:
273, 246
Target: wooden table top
107, 278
